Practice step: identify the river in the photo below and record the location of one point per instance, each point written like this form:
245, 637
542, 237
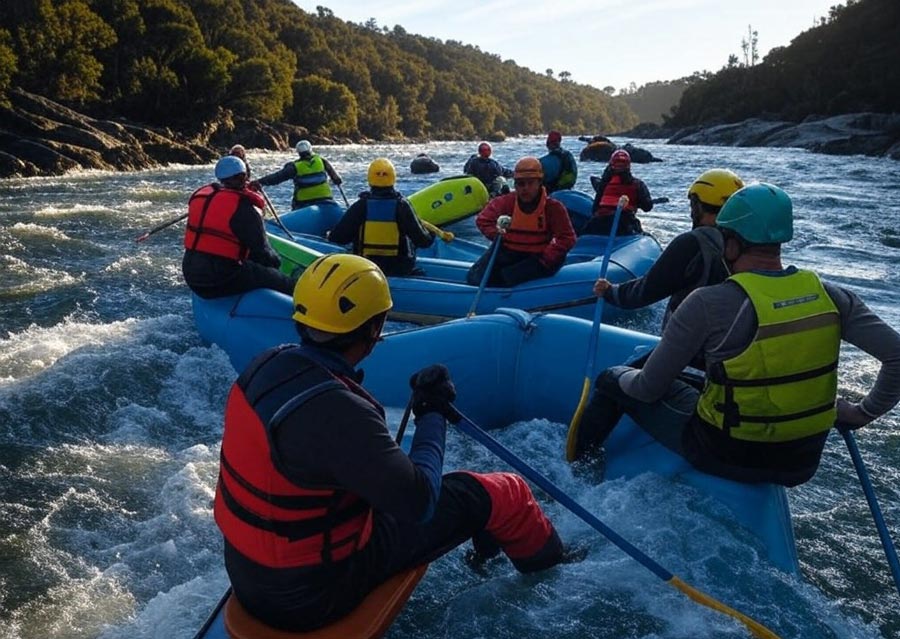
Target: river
111, 418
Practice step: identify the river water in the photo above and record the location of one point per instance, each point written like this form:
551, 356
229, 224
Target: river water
111, 413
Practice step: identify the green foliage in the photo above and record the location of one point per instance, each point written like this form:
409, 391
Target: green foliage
324, 105
654, 100
8, 62
847, 63
180, 61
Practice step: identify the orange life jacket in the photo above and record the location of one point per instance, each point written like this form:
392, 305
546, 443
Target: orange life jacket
267, 517
611, 194
210, 210
529, 232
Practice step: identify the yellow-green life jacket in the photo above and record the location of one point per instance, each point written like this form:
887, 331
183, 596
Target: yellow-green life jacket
783, 386
311, 181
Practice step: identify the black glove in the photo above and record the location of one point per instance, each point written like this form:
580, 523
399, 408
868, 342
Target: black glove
338, 181
433, 392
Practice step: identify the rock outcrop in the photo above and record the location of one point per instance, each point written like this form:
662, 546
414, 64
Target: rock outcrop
874, 134
41, 137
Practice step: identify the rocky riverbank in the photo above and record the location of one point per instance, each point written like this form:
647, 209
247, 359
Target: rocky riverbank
874, 134
39, 137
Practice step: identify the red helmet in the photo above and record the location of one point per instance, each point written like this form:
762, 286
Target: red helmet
484, 150
554, 139
620, 160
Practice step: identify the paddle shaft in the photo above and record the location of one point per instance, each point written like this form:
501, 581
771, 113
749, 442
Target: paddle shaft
477, 433
595, 334
160, 227
660, 200
275, 214
341, 189
495, 248
869, 491
403, 422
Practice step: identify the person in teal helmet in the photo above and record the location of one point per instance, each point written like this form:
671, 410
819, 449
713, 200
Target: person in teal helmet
770, 337
310, 173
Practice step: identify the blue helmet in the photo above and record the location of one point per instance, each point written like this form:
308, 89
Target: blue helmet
760, 213
229, 166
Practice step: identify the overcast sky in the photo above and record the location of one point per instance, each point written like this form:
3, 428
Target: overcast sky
600, 42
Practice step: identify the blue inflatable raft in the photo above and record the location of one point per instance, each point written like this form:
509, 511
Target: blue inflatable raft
442, 293
536, 362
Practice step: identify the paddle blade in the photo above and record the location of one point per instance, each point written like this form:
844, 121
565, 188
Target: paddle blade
572, 437
755, 628
142, 237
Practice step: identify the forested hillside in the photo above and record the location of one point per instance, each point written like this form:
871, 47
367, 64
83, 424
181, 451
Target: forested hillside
179, 62
849, 63
651, 101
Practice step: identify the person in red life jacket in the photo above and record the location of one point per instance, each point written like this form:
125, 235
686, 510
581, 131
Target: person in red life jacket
382, 224
239, 151
226, 251
535, 231
316, 502
310, 174
615, 182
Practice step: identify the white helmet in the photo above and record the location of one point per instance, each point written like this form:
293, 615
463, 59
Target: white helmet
304, 147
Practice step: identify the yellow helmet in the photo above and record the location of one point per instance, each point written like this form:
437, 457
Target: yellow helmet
382, 173
715, 186
340, 292
528, 167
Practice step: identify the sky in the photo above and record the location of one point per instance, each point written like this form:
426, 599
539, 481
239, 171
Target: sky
600, 42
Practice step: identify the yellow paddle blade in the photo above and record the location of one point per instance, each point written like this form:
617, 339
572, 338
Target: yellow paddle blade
756, 628
447, 236
572, 437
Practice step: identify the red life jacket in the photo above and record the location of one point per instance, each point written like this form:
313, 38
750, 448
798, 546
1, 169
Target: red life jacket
528, 232
267, 517
210, 210
611, 194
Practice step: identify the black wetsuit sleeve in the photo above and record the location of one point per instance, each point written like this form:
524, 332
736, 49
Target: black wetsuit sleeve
679, 267
247, 226
347, 228
339, 440
644, 201
411, 227
287, 172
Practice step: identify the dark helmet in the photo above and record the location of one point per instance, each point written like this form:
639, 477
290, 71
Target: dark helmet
484, 150
554, 139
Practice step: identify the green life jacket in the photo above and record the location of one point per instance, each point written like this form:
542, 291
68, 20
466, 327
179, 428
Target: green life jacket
783, 386
311, 181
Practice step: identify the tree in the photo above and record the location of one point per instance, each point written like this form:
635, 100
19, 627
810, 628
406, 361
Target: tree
748, 46
549, 73
564, 76
324, 106
8, 62
609, 90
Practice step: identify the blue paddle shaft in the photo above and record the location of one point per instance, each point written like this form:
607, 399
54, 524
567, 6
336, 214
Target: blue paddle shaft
869, 491
475, 432
598, 309
495, 248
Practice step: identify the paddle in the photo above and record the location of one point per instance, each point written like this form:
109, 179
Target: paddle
403, 422
660, 200
160, 227
572, 437
470, 428
495, 247
447, 236
275, 213
866, 484
341, 189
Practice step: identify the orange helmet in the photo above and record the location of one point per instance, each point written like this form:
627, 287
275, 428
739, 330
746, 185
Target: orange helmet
528, 167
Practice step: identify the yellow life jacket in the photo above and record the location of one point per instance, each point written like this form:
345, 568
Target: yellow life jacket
380, 235
311, 181
783, 386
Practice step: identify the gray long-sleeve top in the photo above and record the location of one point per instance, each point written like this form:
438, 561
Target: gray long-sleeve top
719, 322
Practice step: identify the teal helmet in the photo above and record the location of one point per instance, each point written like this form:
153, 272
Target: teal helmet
760, 213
